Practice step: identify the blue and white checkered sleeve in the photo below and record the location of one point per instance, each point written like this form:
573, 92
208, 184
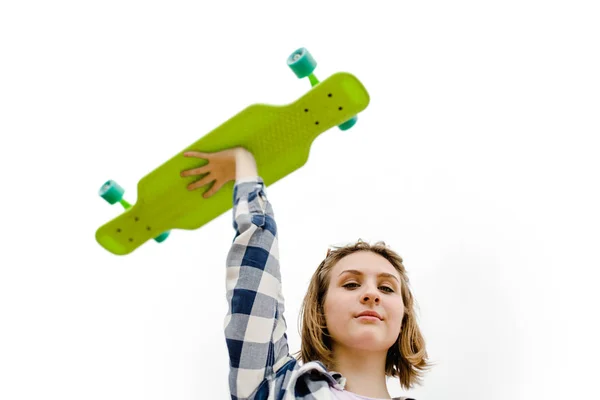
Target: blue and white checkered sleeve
254, 325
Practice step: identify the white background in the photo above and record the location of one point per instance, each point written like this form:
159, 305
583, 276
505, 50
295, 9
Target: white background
477, 160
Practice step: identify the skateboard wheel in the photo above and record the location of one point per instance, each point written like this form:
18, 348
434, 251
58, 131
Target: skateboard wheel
161, 238
302, 63
111, 192
348, 124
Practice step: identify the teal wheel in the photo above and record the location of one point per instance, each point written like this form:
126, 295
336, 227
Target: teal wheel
161, 238
302, 63
348, 124
111, 192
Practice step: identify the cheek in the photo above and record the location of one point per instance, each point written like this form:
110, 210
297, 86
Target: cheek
334, 307
329, 305
395, 312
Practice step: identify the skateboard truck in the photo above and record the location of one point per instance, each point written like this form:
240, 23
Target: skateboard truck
113, 193
303, 64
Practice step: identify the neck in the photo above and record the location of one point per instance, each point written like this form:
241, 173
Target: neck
364, 371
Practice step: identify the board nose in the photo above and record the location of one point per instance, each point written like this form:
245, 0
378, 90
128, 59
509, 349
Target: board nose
110, 243
353, 88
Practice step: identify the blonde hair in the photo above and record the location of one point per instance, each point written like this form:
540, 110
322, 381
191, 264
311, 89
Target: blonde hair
406, 358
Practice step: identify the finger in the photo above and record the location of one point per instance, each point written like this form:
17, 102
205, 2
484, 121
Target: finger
196, 154
213, 189
205, 180
196, 171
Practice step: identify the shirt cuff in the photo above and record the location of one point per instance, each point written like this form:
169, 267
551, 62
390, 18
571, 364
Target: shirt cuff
247, 179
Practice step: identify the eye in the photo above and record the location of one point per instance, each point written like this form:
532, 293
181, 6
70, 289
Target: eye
388, 289
348, 284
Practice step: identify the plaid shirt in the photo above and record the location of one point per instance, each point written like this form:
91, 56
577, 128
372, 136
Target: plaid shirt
260, 364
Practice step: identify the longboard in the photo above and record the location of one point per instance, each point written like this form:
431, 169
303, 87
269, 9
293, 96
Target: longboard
279, 137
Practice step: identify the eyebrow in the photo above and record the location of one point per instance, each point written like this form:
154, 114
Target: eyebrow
356, 272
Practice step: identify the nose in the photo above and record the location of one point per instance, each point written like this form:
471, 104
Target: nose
370, 295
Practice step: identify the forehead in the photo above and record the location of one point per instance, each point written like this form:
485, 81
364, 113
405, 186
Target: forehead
366, 262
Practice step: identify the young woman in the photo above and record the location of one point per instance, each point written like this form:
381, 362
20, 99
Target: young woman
358, 320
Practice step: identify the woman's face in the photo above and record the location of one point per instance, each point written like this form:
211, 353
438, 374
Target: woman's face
364, 281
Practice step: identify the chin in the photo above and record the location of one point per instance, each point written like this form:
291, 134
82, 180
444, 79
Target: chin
367, 341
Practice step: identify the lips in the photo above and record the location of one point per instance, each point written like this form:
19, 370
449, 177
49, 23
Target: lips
369, 314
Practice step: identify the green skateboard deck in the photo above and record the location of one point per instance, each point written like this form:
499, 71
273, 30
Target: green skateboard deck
279, 137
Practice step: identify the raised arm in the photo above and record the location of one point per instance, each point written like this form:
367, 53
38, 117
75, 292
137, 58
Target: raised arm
254, 325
